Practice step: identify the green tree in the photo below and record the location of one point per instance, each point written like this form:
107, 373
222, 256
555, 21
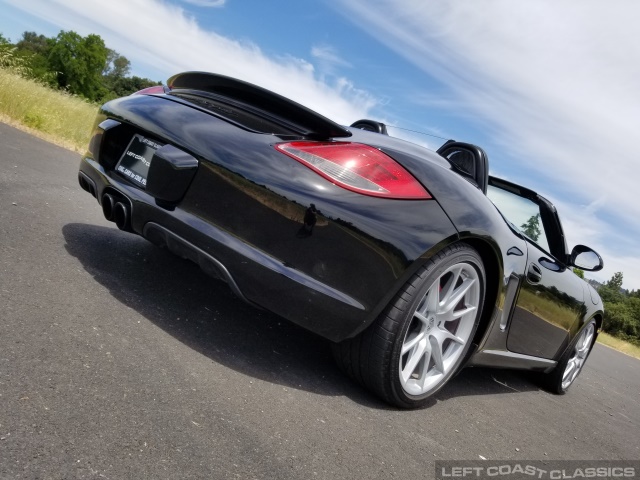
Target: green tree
11, 61
4, 40
34, 43
616, 281
611, 291
531, 228
124, 86
79, 62
117, 66
34, 50
114, 75
621, 310
619, 320
578, 272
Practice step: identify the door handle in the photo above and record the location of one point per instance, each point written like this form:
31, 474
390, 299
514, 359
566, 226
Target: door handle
534, 274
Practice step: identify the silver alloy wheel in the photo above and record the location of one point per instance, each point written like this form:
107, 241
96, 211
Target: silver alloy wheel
439, 329
578, 356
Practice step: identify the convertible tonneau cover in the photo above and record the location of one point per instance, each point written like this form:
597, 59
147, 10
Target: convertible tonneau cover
304, 121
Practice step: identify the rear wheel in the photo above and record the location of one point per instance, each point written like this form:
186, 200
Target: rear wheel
570, 365
422, 338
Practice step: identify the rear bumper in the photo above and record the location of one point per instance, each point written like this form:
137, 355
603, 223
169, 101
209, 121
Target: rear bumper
253, 275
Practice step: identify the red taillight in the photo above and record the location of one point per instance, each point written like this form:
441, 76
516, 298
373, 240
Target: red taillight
152, 90
357, 167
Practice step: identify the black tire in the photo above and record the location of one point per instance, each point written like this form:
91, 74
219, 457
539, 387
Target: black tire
416, 322
560, 379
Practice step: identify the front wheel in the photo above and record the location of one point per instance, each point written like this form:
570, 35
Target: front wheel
422, 338
570, 365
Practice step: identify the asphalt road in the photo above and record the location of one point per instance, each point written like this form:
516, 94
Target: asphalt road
119, 360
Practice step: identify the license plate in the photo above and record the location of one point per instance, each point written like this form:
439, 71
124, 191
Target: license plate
136, 160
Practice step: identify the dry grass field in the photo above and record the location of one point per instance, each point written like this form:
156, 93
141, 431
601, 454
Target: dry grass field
50, 114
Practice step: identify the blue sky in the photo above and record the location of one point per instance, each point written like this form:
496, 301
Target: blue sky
548, 88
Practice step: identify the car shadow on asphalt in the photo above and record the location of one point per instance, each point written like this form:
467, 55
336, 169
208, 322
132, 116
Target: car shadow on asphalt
203, 313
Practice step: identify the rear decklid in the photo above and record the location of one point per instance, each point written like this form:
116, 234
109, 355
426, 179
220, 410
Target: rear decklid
251, 107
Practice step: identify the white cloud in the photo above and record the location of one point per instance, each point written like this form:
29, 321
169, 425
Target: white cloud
206, 3
329, 60
554, 83
165, 38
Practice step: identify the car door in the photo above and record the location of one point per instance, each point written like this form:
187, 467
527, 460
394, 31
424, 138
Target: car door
548, 307
550, 301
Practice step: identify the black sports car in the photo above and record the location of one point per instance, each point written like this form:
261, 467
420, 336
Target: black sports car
411, 262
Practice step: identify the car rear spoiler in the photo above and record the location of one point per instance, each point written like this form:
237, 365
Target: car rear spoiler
245, 95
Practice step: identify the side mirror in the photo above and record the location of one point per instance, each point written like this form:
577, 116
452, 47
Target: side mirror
585, 258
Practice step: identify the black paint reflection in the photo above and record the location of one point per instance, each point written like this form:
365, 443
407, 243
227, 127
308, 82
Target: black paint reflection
548, 308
